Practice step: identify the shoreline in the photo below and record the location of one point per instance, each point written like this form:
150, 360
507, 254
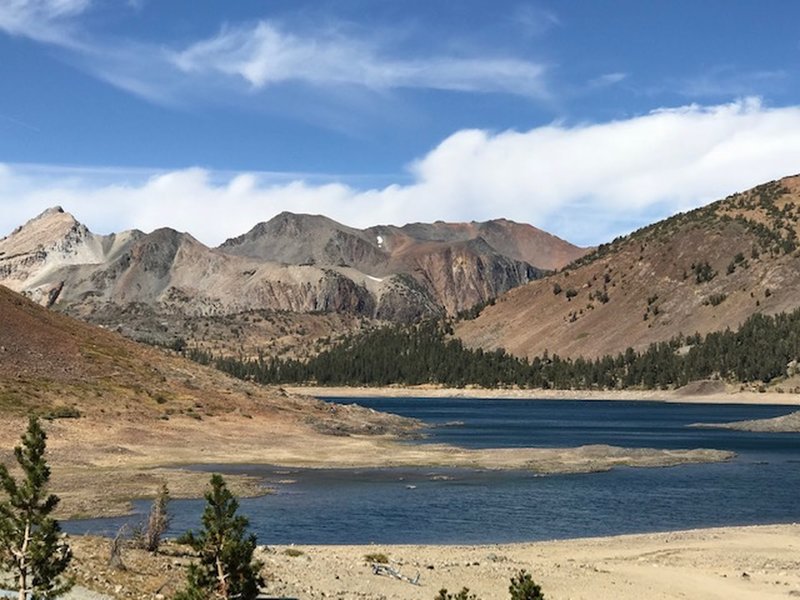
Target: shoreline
694, 395
731, 562
90, 456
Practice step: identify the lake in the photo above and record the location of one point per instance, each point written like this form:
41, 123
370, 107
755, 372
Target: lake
440, 505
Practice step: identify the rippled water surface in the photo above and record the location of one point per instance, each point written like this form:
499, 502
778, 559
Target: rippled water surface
466, 506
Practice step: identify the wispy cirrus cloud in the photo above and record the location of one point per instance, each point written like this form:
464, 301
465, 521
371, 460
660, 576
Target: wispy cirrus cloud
607, 79
263, 55
586, 183
534, 20
729, 81
49, 21
260, 56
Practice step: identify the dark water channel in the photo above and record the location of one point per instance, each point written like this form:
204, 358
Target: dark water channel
438, 505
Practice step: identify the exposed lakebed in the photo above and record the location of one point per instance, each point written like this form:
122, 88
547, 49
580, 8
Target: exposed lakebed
441, 505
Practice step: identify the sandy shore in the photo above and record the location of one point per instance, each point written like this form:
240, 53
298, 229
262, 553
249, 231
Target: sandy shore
713, 394
728, 563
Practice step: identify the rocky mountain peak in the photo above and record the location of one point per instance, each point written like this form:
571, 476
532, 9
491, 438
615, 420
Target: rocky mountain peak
53, 210
45, 229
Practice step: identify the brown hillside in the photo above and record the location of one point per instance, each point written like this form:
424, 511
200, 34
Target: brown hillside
696, 272
134, 412
49, 362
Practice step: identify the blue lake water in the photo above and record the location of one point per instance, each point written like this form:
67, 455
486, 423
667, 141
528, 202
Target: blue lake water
439, 505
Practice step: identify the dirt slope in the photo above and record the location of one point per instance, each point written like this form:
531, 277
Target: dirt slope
696, 272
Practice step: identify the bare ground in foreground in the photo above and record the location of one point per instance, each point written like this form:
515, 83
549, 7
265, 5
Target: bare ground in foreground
731, 563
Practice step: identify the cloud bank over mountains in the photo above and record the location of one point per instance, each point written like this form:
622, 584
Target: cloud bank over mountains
586, 183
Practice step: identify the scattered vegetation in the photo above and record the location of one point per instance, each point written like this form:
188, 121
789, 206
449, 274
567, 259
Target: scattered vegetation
464, 594
522, 588
472, 313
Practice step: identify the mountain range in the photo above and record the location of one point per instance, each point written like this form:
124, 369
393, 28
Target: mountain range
292, 284
151, 285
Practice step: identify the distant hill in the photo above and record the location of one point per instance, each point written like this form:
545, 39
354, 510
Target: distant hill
702, 271
167, 285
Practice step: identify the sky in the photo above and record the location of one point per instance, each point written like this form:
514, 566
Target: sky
586, 119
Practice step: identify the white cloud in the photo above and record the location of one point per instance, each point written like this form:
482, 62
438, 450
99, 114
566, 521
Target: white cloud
42, 20
264, 55
242, 58
587, 183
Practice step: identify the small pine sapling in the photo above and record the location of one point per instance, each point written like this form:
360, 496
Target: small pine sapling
226, 569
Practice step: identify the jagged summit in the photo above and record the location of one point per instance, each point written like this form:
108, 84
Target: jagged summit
53, 210
45, 229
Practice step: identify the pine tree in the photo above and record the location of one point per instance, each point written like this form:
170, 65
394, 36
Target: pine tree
31, 547
226, 569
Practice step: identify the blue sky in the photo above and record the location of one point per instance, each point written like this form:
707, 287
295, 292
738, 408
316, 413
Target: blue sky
587, 119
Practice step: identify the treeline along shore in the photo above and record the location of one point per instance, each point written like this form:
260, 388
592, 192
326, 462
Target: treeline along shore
763, 350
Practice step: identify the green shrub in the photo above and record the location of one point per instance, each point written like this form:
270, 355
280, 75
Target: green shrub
703, 272
378, 557
524, 588
715, 299
464, 594
63, 412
